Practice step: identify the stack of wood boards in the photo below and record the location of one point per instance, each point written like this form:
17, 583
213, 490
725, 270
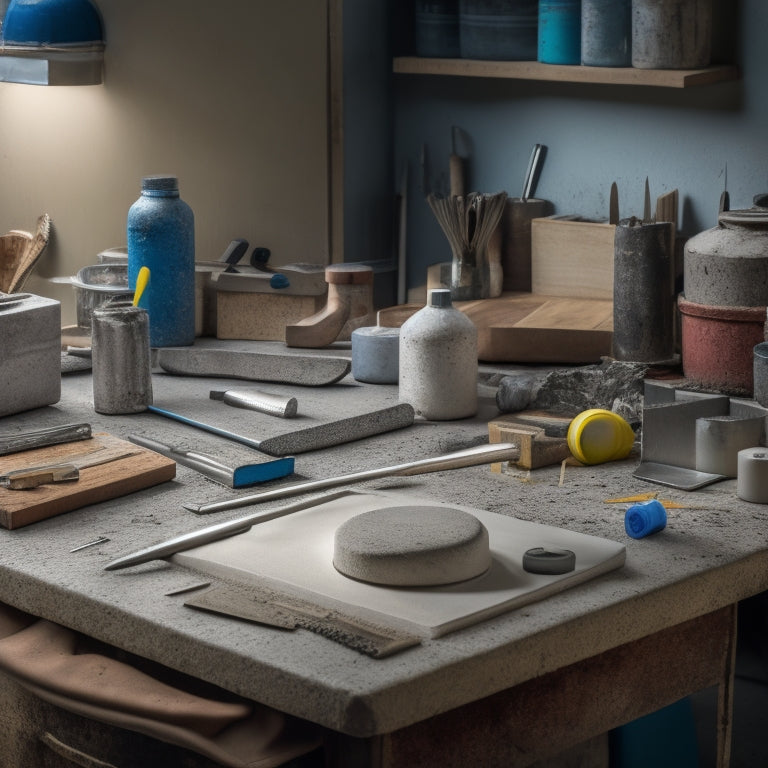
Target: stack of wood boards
568, 316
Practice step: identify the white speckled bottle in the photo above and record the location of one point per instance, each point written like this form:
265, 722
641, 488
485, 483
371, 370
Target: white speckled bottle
438, 360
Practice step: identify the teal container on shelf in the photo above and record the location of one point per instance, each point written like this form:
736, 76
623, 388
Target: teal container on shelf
559, 31
436, 24
161, 237
606, 33
501, 30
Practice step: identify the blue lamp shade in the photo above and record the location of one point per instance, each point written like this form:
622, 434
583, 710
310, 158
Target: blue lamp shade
56, 23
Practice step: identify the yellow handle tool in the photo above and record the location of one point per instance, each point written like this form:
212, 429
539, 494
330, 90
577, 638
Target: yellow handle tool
141, 283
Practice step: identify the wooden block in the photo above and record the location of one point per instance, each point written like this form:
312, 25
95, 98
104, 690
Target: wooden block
141, 469
439, 275
529, 328
536, 448
572, 258
261, 316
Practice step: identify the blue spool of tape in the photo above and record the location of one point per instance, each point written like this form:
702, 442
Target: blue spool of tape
645, 518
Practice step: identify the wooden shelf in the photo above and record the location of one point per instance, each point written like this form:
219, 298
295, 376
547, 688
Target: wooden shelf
534, 70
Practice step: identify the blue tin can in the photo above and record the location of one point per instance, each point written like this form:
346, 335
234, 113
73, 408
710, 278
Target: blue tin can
560, 31
504, 30
606, 33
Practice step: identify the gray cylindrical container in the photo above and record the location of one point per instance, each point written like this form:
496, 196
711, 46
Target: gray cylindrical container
606, 33
671, 34
643, 291
761, 373
498, 29
375, 354
122, 377
436, 28
438, 360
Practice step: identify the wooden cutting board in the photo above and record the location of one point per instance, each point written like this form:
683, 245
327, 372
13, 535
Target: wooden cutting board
141, 469
531, 328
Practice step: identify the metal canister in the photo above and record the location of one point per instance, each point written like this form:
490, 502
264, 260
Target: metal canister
436, 28
644, 291
671, 34
122, 377
606, 33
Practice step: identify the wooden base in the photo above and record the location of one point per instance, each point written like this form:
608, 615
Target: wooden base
545, 716
530, 328
141, 469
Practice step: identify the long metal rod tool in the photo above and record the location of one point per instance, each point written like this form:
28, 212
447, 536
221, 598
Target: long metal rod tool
484, 454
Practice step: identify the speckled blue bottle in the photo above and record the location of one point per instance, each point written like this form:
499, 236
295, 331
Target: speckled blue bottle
161, 236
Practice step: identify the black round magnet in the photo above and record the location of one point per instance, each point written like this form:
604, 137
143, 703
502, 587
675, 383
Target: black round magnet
549, 561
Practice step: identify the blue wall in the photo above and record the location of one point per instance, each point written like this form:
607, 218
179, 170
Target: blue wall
678, 138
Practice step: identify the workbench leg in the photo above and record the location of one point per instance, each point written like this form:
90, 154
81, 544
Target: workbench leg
725, 694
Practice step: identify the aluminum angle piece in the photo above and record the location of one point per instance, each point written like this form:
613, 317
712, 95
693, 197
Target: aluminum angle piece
675, 477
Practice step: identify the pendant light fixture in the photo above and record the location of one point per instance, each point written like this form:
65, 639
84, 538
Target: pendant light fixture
52, 42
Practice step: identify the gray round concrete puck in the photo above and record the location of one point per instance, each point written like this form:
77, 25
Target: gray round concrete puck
375, 354
412, 546
549, 561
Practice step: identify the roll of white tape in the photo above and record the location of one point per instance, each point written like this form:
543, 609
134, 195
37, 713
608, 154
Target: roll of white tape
752, 478
376, 354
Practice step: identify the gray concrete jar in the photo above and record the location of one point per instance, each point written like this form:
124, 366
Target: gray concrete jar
671, 34
606, 33
122, 376
727, 266
438, 361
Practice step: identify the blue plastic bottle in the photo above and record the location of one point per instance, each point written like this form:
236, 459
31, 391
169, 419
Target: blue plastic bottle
161, 236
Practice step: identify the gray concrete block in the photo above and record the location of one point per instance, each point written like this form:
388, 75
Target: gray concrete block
30, 353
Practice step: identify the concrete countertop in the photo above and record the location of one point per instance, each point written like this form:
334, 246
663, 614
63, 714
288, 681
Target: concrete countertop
713, 552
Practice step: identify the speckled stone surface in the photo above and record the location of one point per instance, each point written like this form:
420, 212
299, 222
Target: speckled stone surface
714, 551
411, 546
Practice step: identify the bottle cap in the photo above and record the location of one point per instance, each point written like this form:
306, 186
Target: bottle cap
645, 518
440, 297
160, 183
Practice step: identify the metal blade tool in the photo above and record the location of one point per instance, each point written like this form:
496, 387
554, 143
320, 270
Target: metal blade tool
483, 454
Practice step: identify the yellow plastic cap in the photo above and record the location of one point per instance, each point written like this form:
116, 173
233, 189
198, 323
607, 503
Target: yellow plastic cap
598, 435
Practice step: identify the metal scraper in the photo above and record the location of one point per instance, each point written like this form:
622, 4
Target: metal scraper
310, 439
305, 370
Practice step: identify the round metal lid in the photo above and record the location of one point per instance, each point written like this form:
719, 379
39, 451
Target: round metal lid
757, 216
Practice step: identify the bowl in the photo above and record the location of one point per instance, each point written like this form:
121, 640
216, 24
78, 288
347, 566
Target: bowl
99, 284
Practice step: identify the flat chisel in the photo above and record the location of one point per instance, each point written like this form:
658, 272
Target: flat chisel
40, 438
240, 476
